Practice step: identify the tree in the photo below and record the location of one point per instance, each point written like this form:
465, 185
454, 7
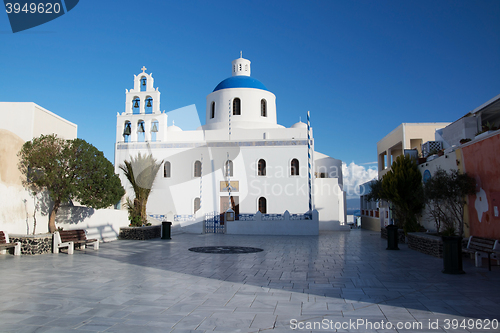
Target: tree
141, 173
69, 170
445, 194
402, 188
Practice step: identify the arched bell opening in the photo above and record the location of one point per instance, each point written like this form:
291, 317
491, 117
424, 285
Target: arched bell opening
127, 131
136, 105
141, 132
155, 127
143, 83
149, 105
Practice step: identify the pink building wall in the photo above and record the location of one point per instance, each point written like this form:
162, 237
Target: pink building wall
482, 161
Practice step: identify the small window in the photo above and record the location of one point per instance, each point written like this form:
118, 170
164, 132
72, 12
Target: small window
212, 110
197, 204
197, 169
261, 169
263, 108
166, 170
294, 167
229, 168
263, 205
236, 107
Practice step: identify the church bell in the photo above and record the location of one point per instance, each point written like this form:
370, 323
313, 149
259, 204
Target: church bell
149, 103
144, 81
154, 128
141, 128
136, 105
127, 130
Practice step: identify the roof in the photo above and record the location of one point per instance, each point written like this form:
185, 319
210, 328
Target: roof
240, 81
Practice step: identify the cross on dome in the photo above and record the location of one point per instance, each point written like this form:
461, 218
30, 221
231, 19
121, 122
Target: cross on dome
143, 69
241, 54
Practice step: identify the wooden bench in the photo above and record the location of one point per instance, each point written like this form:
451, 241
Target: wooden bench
57, 244
79, 238
5, 244
480, 247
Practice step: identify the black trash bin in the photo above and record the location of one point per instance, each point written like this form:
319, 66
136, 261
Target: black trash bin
165, 230
392, 237
452, 255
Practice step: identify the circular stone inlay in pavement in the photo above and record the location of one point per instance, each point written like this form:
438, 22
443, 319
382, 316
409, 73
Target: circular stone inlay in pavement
225, 249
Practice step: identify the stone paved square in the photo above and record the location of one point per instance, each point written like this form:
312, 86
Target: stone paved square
313, 283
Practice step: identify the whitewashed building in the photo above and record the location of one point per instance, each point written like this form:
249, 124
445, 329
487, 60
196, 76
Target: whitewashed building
240, 156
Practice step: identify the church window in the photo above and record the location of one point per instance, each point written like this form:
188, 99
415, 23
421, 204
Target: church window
197, 204
261, 168
212, 110
294, 170
155, 126
141, 135
246, 68
236, 107
263, 205
166, 169
263, 108
136, 105
127, 130
149, 105
143, 83
240, 67
229, 168
197, 169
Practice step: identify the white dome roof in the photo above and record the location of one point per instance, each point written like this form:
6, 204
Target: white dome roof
299, 125
174, 128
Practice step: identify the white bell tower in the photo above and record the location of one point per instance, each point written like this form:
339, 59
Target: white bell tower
241, 66
142, 120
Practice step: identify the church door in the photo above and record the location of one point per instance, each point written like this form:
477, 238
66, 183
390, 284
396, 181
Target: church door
224, 206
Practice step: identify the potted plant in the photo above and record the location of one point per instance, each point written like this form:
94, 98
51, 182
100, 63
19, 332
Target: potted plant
445, 196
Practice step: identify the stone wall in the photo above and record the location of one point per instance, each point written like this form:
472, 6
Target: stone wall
33, 244
425, 243
140, 233
401, 234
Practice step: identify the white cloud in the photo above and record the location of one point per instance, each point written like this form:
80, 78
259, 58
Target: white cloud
355, 175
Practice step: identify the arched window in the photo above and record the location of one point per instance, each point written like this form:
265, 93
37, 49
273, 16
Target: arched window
197, 169
261, 168
197, 204
141, 131
212, 110
136, 105
155, 126
263, 107
263, 205
236, 107
166, 169
294, 167
127, 130
143, 83
228, 168
149, 105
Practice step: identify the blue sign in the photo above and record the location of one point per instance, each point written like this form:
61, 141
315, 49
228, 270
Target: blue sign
25, 15
427, 175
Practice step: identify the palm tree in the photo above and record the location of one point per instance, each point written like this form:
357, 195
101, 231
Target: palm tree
141, 173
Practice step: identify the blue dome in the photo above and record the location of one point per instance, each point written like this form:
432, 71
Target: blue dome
240, 82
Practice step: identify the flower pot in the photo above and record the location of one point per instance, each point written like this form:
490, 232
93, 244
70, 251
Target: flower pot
392, 237
452, 255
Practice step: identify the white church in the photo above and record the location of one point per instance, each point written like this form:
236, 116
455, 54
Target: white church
241, 161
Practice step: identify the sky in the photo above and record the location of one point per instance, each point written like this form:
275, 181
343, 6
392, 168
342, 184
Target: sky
360, 67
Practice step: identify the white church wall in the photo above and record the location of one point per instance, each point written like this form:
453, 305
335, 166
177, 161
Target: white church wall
102, 224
